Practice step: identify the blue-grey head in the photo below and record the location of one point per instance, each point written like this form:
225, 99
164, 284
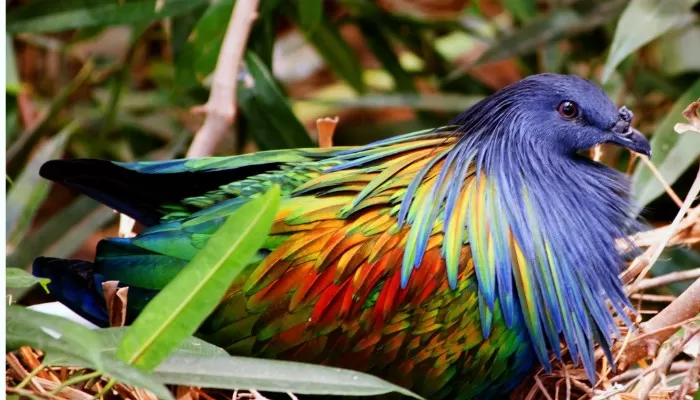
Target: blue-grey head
560, 113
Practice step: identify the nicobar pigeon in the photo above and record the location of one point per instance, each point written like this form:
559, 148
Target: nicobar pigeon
448, 261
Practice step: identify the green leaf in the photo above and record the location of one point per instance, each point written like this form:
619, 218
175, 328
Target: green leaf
561, 23
522, 10
19, 278
111, 337
30, 189
12, 83
310, 13
335, 51
670, 152
60, 337
273, 125
273, 376
181, 307
199, 54
676, 51
380, 45
643, 21
53, 16
63, 233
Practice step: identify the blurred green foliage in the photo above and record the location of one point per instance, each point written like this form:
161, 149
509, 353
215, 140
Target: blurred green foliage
117, 80
121, 78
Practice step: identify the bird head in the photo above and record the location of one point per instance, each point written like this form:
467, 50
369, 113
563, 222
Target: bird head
568, 114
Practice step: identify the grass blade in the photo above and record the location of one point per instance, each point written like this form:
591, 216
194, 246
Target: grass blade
195, 292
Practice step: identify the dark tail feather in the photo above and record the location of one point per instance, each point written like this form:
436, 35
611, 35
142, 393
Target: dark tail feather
139, 195
73, 284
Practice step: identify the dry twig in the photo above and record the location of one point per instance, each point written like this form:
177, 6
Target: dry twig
221, 107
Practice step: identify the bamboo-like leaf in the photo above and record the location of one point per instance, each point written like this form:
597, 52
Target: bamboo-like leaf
30, 190
53, 16
670, 152
198, 363
273, 376
273, 125
337, 53
180, 308
310, 13
643, 21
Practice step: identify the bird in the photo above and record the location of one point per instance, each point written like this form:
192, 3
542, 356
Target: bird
450, 261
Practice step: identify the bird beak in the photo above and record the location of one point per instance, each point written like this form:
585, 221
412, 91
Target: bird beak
633, 140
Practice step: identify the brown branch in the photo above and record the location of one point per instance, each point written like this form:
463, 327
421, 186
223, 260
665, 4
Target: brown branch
221, 106
647, 260
673, 277
685, 307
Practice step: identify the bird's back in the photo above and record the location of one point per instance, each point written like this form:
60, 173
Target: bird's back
326, 287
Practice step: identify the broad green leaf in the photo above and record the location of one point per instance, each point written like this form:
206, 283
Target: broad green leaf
181, 307
19, 278
273, 125
561, 23
335, 51
643, 21
670, 152
52, 334
30, 189
272, 375
523, 10
63, 233
53, 16
60, 337
310, 13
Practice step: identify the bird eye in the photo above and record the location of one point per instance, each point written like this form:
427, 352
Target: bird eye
568, 109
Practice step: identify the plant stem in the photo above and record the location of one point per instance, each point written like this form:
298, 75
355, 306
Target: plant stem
31, 375
74, 380
105, 389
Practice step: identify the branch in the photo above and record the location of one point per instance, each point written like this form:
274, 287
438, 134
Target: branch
663, 280
664, 324
221, 106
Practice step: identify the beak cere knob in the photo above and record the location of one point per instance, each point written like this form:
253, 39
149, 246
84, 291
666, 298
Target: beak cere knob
624, 120
625, 114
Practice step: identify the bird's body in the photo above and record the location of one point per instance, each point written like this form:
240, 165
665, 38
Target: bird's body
447, 261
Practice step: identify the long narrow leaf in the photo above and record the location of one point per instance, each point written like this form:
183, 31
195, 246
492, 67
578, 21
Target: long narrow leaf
643, 21
273, 125
670, 152
272, 375
179, 309
52, 16
30, 190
